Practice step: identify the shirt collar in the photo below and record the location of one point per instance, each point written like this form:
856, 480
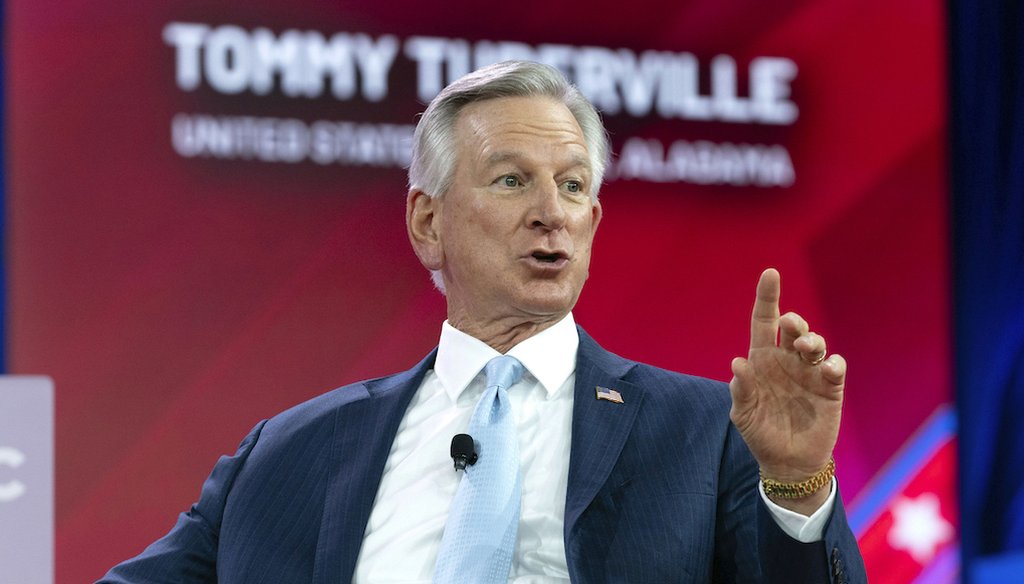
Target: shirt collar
550, 356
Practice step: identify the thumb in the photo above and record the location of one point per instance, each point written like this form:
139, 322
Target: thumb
740, 386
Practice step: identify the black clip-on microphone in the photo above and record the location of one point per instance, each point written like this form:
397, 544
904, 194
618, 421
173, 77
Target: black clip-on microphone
463, 451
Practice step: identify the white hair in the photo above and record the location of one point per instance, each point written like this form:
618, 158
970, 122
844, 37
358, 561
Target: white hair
434, 150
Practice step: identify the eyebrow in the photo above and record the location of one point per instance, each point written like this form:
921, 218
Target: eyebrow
503, 156
514, 155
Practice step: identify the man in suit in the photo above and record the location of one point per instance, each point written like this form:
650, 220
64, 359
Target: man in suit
622, 472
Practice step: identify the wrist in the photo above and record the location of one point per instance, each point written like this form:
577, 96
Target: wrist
790, 490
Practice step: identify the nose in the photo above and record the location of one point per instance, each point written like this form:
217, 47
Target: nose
548, 211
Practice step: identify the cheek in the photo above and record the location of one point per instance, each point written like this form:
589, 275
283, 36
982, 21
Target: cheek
474, 247
583, 234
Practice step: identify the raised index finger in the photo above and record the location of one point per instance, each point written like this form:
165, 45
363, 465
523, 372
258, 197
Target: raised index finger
764, 321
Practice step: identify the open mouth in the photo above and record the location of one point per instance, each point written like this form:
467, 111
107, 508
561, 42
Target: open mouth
548, 258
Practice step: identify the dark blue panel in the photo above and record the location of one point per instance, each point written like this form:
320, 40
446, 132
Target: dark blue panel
3, 189
988, 222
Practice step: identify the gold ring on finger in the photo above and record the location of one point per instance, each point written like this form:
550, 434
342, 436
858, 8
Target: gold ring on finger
817, 360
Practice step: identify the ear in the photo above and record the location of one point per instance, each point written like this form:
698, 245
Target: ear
595, 217
423, 221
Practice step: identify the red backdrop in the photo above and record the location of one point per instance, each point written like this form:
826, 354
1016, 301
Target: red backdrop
179, 297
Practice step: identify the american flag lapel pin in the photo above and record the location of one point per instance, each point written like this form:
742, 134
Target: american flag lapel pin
609, 394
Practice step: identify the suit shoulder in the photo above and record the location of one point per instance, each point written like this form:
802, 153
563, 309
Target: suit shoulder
666, 385
323, 408
658, 383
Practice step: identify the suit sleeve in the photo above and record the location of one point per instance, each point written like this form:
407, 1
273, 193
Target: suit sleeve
751, 547
188, 553
836, 559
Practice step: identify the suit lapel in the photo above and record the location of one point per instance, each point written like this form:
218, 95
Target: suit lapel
364, 430
367, 421
599, 427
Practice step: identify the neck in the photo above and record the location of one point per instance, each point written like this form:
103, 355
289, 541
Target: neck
503, 334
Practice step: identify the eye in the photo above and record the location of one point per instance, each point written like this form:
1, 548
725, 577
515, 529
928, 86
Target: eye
574, 186
509, 180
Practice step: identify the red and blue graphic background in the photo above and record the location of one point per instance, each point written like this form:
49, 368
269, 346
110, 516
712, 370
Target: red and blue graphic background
176, 301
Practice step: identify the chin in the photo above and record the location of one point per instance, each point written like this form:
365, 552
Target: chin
550, 302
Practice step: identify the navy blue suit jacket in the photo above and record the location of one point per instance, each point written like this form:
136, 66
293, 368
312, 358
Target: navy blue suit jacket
661, 489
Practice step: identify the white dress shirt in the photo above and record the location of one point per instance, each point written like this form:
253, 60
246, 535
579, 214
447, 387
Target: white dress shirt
403, 534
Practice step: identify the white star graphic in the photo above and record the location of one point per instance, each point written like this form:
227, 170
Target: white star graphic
918, 527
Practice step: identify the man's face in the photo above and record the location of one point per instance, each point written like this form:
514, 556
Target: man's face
517, 225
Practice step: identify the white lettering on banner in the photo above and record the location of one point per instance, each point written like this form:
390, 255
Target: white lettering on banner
429, 54
705, 163
349, 65
770, 79
291, 141
228, 59
620, 81
232, 60
187, 38
13, 489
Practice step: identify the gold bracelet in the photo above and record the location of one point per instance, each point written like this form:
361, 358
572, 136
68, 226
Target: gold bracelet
806, 488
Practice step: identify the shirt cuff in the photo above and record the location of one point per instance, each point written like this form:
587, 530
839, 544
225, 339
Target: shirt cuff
800, 527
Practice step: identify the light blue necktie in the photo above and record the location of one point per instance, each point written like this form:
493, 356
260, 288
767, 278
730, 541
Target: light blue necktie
480, 534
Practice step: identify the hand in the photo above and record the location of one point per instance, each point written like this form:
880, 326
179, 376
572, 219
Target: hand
786, 397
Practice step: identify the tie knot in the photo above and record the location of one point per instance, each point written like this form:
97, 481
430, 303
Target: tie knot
503, 371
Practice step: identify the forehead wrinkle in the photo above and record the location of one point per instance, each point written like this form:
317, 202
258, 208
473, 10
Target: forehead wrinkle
492, 136
499, 157
494, 148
